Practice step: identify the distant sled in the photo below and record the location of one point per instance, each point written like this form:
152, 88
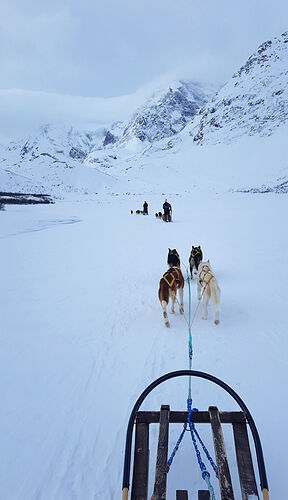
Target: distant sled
167, 217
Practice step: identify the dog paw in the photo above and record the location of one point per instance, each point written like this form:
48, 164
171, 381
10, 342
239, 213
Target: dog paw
216, 321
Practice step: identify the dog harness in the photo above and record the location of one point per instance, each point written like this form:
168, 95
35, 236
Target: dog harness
195, 252
171, 276
205, 276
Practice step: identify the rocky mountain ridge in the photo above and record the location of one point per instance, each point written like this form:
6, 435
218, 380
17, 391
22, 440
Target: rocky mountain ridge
166, 113
253, 101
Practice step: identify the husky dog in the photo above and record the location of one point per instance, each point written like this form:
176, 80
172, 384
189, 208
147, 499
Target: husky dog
195, 258
171, 282
208, 286
173, 258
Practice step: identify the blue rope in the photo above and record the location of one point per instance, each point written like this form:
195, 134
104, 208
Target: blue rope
169, 463
213, 465
190, 337
191, 424
205, 474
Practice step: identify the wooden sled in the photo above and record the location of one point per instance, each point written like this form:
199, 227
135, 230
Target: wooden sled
140, 420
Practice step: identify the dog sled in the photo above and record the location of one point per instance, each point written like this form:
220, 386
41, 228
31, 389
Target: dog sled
167, 217
140, 421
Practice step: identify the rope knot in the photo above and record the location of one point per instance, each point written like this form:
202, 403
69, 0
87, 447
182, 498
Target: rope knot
205, 473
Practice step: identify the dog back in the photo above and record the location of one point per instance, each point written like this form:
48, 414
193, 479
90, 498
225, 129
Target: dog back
173, 259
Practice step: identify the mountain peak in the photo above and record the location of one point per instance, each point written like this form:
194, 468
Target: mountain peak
254, 101
166, 112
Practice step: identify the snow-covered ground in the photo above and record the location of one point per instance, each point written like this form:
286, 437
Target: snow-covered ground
82, 335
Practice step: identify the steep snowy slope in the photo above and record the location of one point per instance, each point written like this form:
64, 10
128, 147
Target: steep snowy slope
167, 112
254, 101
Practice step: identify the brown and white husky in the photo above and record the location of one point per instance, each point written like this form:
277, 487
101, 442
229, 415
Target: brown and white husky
171, 282
208, 287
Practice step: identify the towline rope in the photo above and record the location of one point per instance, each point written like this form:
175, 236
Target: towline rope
205, 474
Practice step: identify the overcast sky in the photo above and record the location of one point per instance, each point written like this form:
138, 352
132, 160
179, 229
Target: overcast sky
107, 48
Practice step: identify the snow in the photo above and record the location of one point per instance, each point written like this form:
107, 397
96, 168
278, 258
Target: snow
83, 335
82, 331
253, 101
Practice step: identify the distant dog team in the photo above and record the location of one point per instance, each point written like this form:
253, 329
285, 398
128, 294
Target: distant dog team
166, 216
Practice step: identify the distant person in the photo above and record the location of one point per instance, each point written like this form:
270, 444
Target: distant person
167, 211
145, 208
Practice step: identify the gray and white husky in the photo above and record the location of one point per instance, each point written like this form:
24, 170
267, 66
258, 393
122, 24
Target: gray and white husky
208, 287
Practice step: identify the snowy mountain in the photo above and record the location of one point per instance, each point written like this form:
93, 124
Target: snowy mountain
60, 144
51, 161
254, 101
40, 162
166, 113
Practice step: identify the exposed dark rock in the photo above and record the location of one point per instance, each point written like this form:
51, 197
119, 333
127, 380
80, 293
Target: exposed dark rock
7, 198
109, 139
281, 188
77, 154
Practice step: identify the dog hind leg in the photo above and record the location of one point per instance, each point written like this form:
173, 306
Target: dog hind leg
181, 307
173, 298
199, 289
164, 305
191, 270
215, 295
205, 304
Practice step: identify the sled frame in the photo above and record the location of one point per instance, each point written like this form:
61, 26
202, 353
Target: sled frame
216, 418
164, 417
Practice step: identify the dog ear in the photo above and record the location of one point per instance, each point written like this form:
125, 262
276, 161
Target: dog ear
169, 250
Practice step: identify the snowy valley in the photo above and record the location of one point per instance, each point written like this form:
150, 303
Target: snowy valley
82, 331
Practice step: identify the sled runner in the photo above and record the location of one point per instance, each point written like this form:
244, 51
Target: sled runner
140, 420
